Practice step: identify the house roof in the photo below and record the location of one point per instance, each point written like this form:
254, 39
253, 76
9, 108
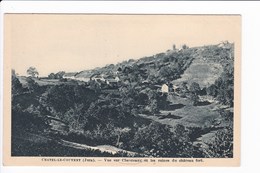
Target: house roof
146, 81
96, 76
69, 74
111, 80
84, 74
109, 77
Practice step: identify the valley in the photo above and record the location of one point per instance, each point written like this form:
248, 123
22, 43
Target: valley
177, 103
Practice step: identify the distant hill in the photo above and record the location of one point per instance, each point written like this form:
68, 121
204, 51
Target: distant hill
198, 64
207, 65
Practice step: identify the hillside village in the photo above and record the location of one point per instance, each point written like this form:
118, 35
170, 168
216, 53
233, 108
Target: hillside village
152, 106
113, 76
113, 81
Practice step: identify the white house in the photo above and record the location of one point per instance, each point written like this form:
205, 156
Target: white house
165, 88
225, 45
117, 79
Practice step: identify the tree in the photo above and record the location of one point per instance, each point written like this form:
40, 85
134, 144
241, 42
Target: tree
17, 87
74, 117
152, 78
183, 89
195, 99
142, 99
212, 90
174, 46
94, 86
184, 86
51, 76
13, 73
159, 140
222, 145
223, 88
64, 97
166, 59
59, 75
32, 71
32, 85
185, 46
195, 88
166, 71
153, 106
119, 131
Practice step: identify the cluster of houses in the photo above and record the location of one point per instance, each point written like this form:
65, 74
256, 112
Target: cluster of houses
111, 80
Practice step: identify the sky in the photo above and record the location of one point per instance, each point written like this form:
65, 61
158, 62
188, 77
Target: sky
73, 43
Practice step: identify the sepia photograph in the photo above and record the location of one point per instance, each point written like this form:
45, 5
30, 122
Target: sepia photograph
157, 90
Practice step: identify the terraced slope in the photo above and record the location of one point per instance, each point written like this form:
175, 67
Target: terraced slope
203, 70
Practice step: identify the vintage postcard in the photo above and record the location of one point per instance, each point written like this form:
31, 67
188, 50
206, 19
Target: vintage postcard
122, 90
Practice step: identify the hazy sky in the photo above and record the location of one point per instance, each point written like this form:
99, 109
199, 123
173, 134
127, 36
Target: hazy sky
52, 43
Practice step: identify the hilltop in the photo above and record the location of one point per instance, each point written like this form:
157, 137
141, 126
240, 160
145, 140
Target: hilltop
199, 64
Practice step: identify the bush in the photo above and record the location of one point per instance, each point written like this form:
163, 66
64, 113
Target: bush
64, 97
32, 85
194, 99
195, 88
158, 141
16, 86
222, 146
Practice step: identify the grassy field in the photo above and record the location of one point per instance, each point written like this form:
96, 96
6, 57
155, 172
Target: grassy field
202, 71
183, 112
41, 82
187, 114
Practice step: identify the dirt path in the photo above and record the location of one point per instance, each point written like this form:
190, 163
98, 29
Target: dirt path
102, 148
43, 139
